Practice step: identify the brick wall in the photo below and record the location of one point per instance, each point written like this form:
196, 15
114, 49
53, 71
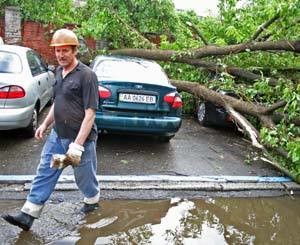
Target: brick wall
38, 36
91, 43
2, 24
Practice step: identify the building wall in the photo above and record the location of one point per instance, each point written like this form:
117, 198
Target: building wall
2, 32
13, 32
37, 36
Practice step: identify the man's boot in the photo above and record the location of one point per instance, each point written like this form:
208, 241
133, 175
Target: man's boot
22, 220
87, 208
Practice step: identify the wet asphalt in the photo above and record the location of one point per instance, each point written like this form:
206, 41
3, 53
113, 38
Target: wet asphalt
194, 151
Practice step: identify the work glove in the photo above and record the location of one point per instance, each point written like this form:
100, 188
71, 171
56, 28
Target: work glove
58, 161
73, 155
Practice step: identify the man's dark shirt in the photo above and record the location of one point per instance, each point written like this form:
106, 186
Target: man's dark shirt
73, 94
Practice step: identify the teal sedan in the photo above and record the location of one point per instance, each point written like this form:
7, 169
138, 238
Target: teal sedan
136, 97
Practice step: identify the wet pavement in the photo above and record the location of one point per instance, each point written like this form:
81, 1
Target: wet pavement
172, 221
140, 180
195, 150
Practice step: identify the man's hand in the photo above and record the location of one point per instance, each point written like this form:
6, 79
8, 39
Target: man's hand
58, 161
73, 155
39, 133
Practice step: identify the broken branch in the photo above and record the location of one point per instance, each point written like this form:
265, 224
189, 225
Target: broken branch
275, 106
167, 55
211, 50
246, 125
264, 26
196, 32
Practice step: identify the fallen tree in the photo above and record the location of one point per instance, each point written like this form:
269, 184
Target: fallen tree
214, 51
252, 47
192, 57
237, 108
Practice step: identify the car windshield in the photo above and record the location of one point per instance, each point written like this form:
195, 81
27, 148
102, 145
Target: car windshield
130, 71
10, 63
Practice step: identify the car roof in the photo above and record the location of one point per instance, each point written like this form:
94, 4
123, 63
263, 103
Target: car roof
123, 57
14, 48
149, 64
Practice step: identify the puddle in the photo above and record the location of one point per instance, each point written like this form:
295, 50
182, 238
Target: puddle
273, 220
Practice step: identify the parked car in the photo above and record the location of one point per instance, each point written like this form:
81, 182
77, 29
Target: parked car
136, 97
25, 88
209, 114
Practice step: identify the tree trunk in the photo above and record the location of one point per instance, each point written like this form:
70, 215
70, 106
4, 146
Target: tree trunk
241, 106
165, 55
210, 50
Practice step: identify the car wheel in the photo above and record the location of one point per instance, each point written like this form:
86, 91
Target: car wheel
31, 128
202, 114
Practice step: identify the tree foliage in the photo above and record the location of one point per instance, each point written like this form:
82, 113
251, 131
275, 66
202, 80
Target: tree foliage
57, 12
274, 73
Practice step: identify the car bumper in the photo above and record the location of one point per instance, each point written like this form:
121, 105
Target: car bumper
159, 126
15, 118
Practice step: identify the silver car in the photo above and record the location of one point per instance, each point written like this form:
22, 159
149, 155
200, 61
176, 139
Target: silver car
26, 86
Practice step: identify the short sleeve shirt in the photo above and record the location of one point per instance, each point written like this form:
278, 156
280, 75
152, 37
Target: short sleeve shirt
73, 94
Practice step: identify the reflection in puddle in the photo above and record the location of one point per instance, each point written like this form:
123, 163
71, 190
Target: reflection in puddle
102, 222
181, 221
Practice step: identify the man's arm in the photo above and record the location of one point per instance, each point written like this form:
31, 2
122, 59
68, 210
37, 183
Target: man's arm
86, 126
46, 123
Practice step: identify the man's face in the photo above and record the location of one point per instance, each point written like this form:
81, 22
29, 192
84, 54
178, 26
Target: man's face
65, 55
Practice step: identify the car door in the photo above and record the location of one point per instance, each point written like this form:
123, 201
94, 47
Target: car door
49, 78
40, 77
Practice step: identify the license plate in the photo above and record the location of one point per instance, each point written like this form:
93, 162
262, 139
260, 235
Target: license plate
137, 98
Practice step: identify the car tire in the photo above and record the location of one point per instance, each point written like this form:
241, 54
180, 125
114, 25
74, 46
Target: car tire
202, 114
31, 128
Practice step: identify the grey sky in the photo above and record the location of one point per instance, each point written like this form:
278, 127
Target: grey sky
201, 7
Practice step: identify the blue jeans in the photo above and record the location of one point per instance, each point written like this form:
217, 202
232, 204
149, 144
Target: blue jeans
47, 177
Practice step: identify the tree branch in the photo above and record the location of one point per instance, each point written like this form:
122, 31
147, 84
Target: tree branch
280, 69
275, 106
172, 56
267, 121
246, 125
132, 29
264, 38
293, 46
277, 117
264, 26
232, 70
196, 31
201, 91
234, 107
210, 50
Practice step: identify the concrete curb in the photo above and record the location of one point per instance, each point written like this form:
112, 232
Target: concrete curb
186, 186
21, 179
163, 182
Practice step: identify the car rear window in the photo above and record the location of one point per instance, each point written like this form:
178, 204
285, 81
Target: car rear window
130, 71
10, 62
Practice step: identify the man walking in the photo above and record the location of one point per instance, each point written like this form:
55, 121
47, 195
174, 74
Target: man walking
73, 135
